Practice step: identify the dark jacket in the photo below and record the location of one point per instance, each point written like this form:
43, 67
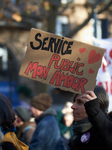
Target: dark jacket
47, 134
7, 146
100, 134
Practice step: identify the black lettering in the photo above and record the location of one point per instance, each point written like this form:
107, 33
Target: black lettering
56, 45
59, 48
69, 46
50, 46
65, 42
40, 42
44, 42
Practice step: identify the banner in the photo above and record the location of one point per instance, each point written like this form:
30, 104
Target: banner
104, 76
61, 62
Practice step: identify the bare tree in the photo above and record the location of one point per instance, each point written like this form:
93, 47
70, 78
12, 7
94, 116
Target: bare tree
27, 13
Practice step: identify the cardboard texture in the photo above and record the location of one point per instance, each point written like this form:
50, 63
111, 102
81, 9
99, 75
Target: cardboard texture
61, 62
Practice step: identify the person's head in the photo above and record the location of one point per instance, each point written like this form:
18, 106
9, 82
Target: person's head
67, 108
40, 103
7, 115
79, 111
68, 119
23, 114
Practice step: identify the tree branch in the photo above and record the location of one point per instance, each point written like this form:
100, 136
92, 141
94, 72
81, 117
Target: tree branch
76, 29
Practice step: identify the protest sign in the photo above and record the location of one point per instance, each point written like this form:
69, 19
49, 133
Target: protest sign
61, 62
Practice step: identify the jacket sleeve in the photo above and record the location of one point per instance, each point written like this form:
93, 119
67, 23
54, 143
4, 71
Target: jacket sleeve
44, 135
8, 146
27, 134
100, 121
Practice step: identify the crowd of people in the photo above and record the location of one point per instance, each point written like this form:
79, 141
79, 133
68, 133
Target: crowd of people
83, 124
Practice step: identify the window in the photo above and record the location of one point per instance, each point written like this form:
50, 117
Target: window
62, 27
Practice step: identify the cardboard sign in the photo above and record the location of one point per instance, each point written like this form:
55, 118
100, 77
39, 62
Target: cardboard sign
61, 62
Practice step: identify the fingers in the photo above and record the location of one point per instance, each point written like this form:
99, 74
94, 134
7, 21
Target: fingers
89, 95
92, 94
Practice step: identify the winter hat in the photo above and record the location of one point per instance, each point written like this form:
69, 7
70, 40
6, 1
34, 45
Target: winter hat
23, 113
42, 101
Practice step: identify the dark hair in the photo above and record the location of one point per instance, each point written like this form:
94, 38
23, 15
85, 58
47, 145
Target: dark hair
102, 97
7, 116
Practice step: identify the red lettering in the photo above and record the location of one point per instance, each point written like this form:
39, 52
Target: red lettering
39, 71
111, 87
77, 70
45, 72
71, 68
103, 67
42, 72
75, 83
55, 76
68, 81
100, 84
54, 58
32, 67
65, 65
58, 67
63, 78
74, 68
81, 85
106, 83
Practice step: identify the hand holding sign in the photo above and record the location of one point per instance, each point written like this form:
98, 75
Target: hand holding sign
61, 62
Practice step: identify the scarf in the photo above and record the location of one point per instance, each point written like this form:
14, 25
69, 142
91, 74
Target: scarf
82, 126
79, 128
10, 136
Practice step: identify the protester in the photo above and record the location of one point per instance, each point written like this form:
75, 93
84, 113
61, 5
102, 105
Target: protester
64, 118
47, 135
8, 137
68, 120
92, 127
24, 127
67, 108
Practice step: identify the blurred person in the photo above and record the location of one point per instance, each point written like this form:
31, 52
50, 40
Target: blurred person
24, 127
67, 108
68, 120
47, 135
8, 139
92, 127
64, 118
